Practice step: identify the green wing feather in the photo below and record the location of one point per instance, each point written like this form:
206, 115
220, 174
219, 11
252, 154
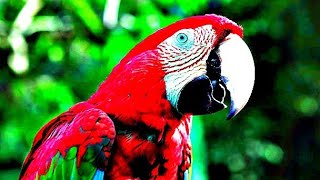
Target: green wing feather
66, 168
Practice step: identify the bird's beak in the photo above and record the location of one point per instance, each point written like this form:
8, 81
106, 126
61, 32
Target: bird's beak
237, 71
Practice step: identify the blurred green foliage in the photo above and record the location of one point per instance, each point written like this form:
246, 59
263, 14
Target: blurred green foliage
55, 53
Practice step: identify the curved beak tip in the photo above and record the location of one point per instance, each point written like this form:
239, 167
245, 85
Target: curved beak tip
233, 111
231, 115
237, 71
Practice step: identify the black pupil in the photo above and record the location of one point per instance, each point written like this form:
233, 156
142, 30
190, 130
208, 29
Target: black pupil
182, 37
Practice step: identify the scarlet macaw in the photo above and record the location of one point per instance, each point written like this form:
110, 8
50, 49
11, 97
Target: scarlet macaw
137, 124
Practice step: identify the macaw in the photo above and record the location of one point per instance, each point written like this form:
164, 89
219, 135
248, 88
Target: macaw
137, 124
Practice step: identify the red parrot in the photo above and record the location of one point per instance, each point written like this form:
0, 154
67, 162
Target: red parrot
137, 124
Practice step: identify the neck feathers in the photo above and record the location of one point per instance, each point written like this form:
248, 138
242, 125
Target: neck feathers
134, 88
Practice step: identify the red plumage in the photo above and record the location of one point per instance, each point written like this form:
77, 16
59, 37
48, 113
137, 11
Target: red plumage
153, 139
63, 133
143, 101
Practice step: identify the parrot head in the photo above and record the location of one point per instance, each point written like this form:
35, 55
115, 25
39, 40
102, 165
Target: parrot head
203, 60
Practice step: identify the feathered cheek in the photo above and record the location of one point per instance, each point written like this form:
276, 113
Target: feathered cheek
184, 57
193, 87
178, 77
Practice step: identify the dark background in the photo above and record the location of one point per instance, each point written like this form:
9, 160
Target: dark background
55, 53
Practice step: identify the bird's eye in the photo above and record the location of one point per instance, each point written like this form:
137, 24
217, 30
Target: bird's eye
182, 38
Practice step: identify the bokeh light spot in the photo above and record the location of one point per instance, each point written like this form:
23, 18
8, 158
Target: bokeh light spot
127, 21
236, 162
273, 154
56, 53
18, 63
306, 105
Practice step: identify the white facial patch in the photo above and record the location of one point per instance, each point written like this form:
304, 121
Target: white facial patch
183, 56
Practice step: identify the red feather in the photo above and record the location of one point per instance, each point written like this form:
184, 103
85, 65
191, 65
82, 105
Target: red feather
81, 126
134, 96
219, 23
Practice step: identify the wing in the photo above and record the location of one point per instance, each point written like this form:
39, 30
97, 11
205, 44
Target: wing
74, 145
